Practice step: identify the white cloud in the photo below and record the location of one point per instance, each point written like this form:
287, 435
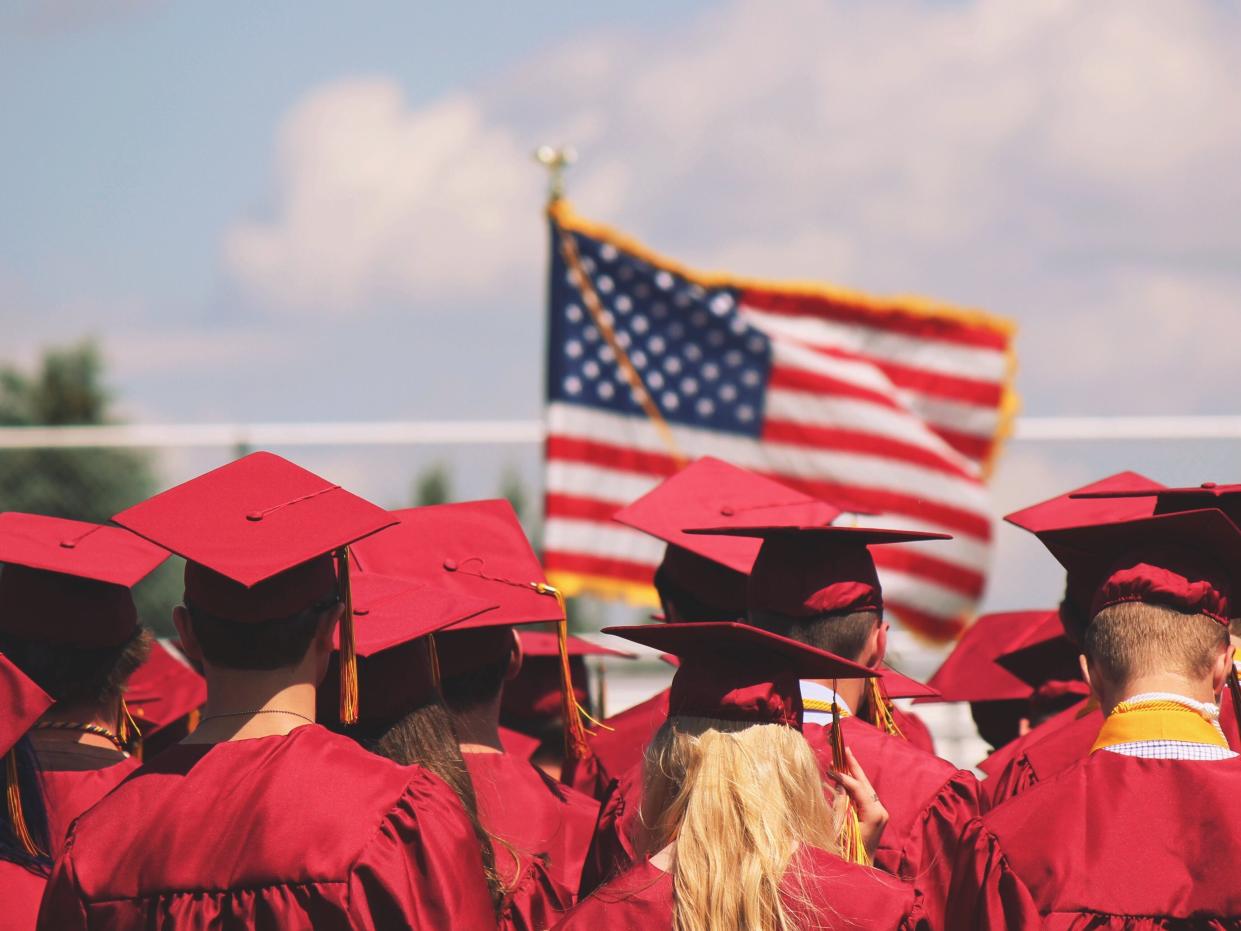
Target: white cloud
1060, 162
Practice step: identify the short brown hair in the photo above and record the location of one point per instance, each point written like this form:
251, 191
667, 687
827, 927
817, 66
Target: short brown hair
266, 645
1135, 638
842, 634
79, 675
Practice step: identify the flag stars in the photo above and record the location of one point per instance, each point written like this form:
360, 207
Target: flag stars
721, 304
750, 378
606, 390
573, 385
573, 313
638, 358
573, 349
608, 252
623, 303
591, 369
640, 324
607, 354
604, 284
745, 413
664, 280
670, 401
693, 353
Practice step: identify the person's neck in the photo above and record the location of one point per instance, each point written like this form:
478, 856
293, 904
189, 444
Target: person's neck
478, 727
849, 690
105, 716
1197, 689
243, 704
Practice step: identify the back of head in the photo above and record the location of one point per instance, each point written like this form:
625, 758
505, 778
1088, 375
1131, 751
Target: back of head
843, 634
738, 799
1133, 639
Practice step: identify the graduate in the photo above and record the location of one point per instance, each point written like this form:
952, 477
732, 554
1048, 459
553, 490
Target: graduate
68, 621
24, 859
262, 818
738, 832
1144, 830
542, 829
699, 579
818, 585
531, 703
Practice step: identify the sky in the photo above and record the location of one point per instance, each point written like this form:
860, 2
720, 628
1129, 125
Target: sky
306, 210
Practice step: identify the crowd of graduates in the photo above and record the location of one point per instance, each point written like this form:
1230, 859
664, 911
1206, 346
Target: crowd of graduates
374, 719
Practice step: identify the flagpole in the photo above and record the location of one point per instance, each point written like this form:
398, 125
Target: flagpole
556, 161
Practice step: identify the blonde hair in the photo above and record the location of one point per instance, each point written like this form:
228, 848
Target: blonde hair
738, 799
1135, 638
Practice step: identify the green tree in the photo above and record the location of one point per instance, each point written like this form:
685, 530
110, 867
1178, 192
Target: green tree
433, 485
66, 388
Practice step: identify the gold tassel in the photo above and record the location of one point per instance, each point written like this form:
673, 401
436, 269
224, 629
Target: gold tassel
1234, 689
850, 834
881, 709
574, 730
17, 817
192, 720
433, 660
348, 655
128, 732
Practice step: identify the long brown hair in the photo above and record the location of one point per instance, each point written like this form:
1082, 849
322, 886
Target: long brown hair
425, 736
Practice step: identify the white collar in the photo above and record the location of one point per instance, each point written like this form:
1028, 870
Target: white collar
819, 692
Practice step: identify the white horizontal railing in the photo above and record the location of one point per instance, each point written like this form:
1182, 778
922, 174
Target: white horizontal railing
459, 432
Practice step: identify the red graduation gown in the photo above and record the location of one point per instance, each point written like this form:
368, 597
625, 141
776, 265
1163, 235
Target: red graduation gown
1066, 744
928, 800
616, 747
20, 892
612, 849
297, 831
69, 792
841, 896
547, 825
914, 729
1111, 842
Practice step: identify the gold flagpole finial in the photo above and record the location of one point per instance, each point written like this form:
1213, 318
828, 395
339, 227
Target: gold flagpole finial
556, 159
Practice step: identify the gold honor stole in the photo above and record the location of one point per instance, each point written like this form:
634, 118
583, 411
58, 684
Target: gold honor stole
1156, 719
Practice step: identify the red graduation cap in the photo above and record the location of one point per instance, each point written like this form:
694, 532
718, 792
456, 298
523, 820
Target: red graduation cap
970, 672
1186, 560
1046, 660
1226, 498
536, 691
475, 548
23, 703
714, 493
163, 690
393, 618
263, 539
809, 571
734, 672
67, 581
1075, 509
899, 685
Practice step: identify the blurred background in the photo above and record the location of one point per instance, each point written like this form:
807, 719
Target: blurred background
312, 212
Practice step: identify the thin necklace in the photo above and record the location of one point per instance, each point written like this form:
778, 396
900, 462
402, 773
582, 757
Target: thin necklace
242, 714
96, 729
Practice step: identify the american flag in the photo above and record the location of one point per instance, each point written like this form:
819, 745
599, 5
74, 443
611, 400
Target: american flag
894, 407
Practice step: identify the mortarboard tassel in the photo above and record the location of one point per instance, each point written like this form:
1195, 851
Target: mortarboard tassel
433, 660
881, 709
850, 834
128, 732
574, 730
1234, 689
348, 654
17, 817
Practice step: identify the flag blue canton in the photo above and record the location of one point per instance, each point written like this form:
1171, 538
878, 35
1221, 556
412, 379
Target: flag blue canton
701, 362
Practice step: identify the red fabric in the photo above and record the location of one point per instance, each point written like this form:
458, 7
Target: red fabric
1001, 757
73, 547
310, 583
1066, 744
710, 492
163, 690
796, 579
22, 891
474, 548
304, 830
726, 691
23, 703
928, 801
618, 747
68, 793
545, 829
49, 607
1110, 838
970, 673
1067, 511
840, 896
518, 744
1173, 580
251, 520
613, 849
711, 582
914, 729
